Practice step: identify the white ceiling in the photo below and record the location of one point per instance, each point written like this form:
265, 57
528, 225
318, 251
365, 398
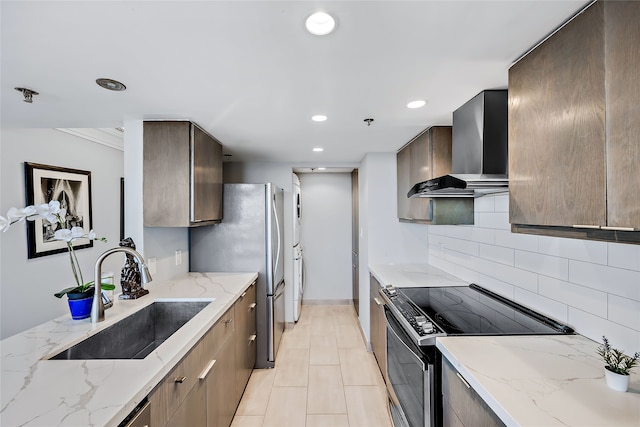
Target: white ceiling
248, 72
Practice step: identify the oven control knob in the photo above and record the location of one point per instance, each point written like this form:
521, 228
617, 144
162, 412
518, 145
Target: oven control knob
427, 327
421, 320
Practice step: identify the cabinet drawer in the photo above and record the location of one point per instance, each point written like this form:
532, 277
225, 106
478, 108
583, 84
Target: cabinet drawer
247, 303
221, 331
173, 389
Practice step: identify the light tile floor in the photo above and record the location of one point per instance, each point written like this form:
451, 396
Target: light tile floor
324, 377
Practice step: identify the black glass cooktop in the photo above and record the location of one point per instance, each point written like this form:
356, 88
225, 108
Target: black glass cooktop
472, 310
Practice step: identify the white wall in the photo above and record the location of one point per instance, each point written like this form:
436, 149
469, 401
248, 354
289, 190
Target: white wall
383, 239
325, 235
592, 286
27, 286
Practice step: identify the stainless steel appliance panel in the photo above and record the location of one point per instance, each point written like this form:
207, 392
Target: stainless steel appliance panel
412, 383
245, 241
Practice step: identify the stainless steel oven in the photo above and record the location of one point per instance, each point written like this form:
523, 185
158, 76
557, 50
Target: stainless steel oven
411, 373
417, 316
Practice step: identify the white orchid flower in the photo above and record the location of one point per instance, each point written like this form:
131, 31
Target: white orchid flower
54, 207
18, 215
63, 234
4, 223
77, 232
92, 235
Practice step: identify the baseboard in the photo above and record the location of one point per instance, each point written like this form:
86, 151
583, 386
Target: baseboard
327, 302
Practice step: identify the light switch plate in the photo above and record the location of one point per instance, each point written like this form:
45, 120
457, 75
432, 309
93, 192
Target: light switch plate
178, 257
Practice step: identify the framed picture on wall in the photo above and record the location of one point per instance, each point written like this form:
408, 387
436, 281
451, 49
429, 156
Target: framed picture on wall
72, 188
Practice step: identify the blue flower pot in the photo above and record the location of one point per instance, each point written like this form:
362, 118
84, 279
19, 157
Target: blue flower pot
80, 308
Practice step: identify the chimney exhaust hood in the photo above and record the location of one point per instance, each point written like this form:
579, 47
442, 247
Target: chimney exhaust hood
479, 160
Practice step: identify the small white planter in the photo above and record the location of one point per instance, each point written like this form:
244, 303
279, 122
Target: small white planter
616, 381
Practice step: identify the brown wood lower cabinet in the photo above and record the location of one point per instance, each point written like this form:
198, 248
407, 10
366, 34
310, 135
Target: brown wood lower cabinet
378, 326
205, 388
461, 405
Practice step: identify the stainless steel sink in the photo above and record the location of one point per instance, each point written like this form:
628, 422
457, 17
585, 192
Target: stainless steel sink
137, 335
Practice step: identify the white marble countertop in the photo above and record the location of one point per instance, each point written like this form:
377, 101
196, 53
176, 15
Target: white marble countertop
543, 380
529, 381
40, 392
413, 275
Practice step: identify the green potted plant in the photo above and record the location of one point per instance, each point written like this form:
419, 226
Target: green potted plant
618, 365
80, 296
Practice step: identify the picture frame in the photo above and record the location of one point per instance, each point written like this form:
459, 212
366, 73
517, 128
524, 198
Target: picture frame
72, 187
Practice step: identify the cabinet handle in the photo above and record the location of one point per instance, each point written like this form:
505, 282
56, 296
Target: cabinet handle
252, 338
595, 227
180, 380
226, 322
618, 228
377, 301
252, 306
463, 380
243, 294
206, 370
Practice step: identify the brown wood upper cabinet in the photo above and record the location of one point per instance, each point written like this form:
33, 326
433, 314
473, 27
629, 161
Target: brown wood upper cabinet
574, 133
182, 175
426, 156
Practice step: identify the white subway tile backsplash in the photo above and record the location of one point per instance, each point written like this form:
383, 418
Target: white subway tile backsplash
484, 204
618, 281
501, 202
595, 327
497, 220
525, 242
457, 270
464, 246
497, 286
573, 295
517, 277
475, 234
550, 307
624, 256
624, 311
542, 264
497, 254
582, 250
592, 286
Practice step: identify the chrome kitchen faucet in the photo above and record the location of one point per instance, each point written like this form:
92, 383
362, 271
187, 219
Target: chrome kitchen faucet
97, 308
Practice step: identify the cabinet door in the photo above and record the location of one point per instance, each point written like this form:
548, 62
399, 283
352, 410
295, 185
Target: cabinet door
193, 411
245, 338
166, 174
462, 406
403, 162
622, 38
206, 184
557, 128
420, 170
221, 383
378, 326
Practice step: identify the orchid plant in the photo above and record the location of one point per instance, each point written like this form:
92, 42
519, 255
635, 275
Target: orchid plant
53, 213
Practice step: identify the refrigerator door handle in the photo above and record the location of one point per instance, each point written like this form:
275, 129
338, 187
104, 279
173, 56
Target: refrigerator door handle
275, 214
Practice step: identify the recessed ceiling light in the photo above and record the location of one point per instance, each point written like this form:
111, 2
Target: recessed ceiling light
111, 84
319, 118
416, 104
320, 23
318, 149
322, 169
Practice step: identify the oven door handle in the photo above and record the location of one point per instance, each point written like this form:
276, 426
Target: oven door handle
390, 328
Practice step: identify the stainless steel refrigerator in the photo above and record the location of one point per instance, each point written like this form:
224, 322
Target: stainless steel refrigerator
249, 238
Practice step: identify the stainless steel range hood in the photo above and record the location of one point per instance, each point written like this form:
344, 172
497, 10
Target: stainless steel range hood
479, 161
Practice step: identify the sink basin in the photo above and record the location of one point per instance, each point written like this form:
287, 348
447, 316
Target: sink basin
137, 335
